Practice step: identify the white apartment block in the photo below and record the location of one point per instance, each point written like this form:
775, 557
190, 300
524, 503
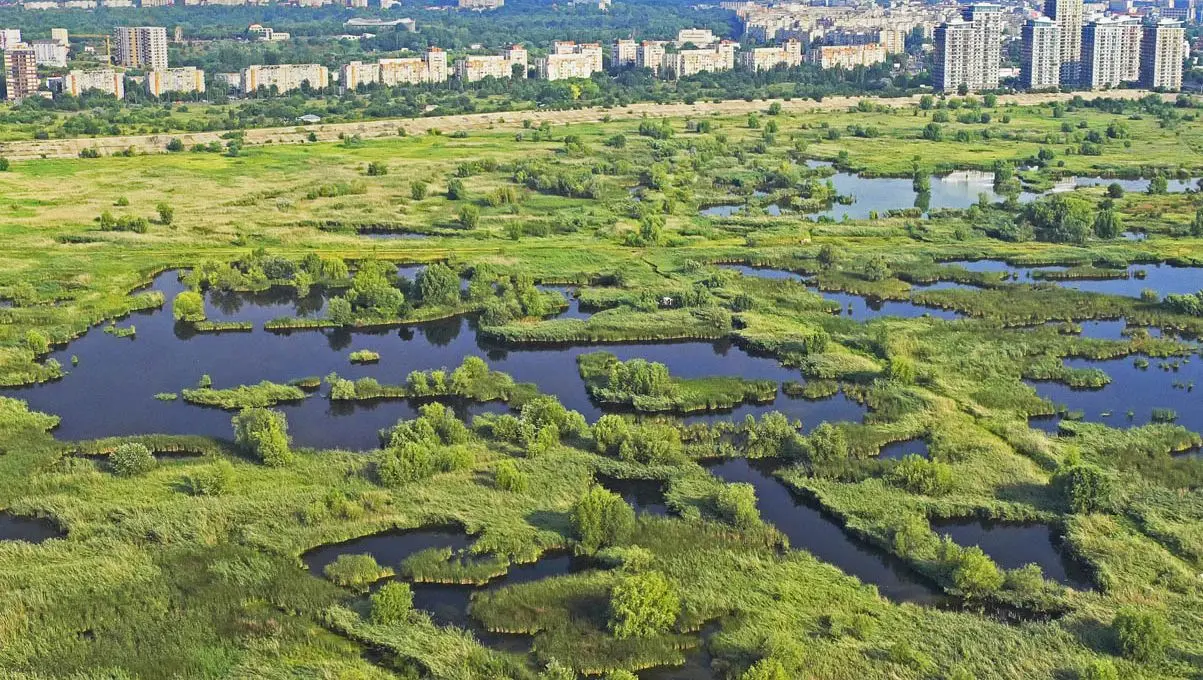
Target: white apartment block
1162, 54
156, 3
624, 53
267, 33
698, 36
1040, 65
105, 80
20, 72
59, 35
968, 50
684, 63
847, 56
1133, 33
50, 53
284, 77
650, 55
1106, 58
140, 47
183, 79
1068, 15
473, 68
431, 67
788, 54
9, 37
570, 60
480, 5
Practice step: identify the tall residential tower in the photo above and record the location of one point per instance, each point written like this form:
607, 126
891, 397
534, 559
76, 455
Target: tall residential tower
1068, 15
1040, 66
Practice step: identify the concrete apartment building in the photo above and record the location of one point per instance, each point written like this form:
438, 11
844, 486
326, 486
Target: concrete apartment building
9, 37
787, 54
700, 37
720, 57
968, 50
1132, 33
1106, 53
1162, 54
1040, 65
182, 79
143, 47
50, 53
624, 53
651, 55
846, 56
20, 71
1068, 15
473, 68
284, 77
104, 80
480, 5
60, 36
570, 60
892, 39
431, 67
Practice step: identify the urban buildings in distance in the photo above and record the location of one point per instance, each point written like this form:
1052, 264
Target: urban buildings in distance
142, 47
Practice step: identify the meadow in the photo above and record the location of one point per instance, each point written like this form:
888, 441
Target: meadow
506, 545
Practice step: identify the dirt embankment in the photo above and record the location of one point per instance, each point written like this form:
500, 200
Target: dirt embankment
70, 148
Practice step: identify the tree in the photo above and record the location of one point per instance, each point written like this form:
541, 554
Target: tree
417, 190
377, 169
1099, 669
510, 478
975, 573
1141, 633
766, 669
456, 189
919, 475
392, 603
602, 518
828, 443
36, 342
131, 460
1196, 225
469, 216
642, 605
438, 285
1060, 219
1158, 185
1085, 488
1108, 224
263, 434
737, 504
1115, 190
175, 145
188, 306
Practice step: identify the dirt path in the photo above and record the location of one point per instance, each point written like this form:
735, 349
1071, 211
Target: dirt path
70, 148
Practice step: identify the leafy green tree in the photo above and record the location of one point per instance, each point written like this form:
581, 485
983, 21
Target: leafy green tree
975, 573
131, 460
166, 212
393, 603
418, 190
377, 169
1158, 185
766, 669
1115, 190
602, 518
469, 216
828, 443
1141, 633
1099, 669
175, 145
1060, 219
188, 306
36, 342
405, 463
340, 311
510, 478
1108, 224
919, 475
438, 285
263, 434
4, 164
643, 604
1085, 488
737, 504
456, 190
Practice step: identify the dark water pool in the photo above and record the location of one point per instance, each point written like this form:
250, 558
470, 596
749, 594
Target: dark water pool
1162, 278
645, 495
1014, 544
28, 529
811, 530
902, 449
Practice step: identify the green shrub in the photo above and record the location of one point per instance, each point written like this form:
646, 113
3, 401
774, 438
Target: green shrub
354, 571
919, 475
974, 573
1141, 634
392, 603
263, 434
1099, 669
510, 478
737, 504
1085, 488
601, 519
188, 306
131, 460
210, 480
643, 604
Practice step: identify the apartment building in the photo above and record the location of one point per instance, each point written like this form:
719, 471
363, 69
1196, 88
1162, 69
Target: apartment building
284, 77
20, 71
267, 33
787, 54
720, 57
1106, 57
892, 39
480, 5
143, 47
1068, 15
431, 67
50, 53
698, 36
9, 37
624, 53
650, 55
183, 79
1040, 64
1162, 54
968, 50
570, 60
105, 80
59, 35
473, 68
846, 56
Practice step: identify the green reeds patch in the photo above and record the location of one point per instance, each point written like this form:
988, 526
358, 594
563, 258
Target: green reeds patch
648, 387
263, 394
619, 326
364, 356
223, 326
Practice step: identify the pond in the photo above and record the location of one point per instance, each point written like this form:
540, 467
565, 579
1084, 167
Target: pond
810, 529
902, 449
27, 529
645, 495
390, 548
1138, 389
111, 391
1173, 186
1162, 278
1014, 544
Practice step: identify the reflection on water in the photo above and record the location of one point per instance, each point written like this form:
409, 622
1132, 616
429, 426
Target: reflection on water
1014, 544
